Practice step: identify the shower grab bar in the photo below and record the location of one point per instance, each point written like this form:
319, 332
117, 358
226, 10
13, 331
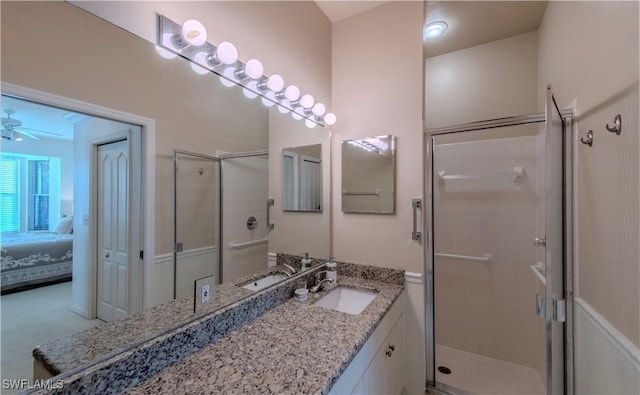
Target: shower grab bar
485, 258
376, 193
247, 244
514, 175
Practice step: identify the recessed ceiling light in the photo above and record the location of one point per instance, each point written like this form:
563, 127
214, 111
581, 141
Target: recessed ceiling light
434, 29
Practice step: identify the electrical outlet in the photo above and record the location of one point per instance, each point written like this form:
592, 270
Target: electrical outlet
205, 294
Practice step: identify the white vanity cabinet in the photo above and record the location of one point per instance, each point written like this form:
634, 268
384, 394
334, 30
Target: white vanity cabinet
377, 368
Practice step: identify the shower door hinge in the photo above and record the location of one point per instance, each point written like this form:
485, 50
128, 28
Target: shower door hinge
559, 310
558, 306
177, 247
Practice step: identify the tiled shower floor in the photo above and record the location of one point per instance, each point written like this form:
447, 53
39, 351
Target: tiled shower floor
478, 374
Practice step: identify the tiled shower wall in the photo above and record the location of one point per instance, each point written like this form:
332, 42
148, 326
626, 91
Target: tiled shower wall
488, 308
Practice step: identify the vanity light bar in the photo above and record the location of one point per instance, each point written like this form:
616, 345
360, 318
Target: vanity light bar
189, 41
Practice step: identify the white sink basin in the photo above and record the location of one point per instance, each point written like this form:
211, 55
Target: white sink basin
347, 300
264, 282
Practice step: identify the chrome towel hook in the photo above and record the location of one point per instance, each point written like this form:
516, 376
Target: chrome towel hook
589, 140
617, 125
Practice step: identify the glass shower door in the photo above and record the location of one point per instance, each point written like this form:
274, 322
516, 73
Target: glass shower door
196, 220
498, 241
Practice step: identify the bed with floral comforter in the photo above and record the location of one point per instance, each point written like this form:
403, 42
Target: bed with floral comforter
34, 259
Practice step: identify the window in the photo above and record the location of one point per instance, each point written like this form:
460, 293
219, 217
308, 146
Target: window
9, 194
30, 192
38, 215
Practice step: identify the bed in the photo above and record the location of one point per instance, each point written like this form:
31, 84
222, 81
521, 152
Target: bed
32, 259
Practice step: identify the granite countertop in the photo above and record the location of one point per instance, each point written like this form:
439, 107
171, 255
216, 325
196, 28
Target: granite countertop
71, 352
293, 348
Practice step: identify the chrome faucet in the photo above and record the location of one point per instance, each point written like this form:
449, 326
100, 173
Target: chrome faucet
293, 270
320, 283
286, 273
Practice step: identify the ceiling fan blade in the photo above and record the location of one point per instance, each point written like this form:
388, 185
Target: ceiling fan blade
24, 132
41, 131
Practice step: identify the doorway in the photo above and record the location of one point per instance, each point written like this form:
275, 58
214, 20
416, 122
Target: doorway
498, 255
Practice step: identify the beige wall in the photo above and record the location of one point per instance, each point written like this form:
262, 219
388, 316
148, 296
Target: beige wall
493, 80
377, 89
573, 36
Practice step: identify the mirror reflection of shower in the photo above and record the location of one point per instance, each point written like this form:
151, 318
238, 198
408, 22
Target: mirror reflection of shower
220, 217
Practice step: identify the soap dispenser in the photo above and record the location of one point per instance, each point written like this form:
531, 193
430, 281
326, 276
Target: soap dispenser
332, 269
306, 262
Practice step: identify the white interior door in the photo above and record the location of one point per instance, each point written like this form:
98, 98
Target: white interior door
113, 230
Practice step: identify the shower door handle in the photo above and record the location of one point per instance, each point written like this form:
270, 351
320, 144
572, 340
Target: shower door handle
416, 204
270, 202
539, 242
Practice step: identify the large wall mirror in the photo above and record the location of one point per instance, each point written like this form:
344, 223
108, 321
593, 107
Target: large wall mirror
92, 61
368, 175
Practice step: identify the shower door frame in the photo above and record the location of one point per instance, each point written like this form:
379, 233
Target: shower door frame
428, 230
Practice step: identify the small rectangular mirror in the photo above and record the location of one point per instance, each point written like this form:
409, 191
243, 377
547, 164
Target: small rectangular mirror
302, 178
368, 175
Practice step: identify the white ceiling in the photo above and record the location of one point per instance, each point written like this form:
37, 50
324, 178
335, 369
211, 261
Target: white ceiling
40, 120
470, 23
337, 10
473, 23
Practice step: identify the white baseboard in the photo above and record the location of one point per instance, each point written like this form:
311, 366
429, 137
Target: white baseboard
606, 362
413, 277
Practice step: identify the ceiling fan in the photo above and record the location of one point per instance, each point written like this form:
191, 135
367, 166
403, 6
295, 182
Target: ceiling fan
13, 130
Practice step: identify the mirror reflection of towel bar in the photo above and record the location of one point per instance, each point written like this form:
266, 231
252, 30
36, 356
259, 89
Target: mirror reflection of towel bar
247, 244
485, 258
376, 193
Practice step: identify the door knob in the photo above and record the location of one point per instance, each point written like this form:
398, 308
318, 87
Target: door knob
539, 242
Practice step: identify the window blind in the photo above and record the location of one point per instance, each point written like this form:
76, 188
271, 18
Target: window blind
9, 195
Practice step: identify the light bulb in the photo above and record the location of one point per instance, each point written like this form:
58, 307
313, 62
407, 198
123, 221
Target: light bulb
194, 32
275, 83
292, 93
296, 116
284, 106
254, 69
198, 69
229, 80
249, 94
307, 101
310, 124
267, 102
330, 118
435, 29
318, 110
227, 53
165, 53
201, 59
